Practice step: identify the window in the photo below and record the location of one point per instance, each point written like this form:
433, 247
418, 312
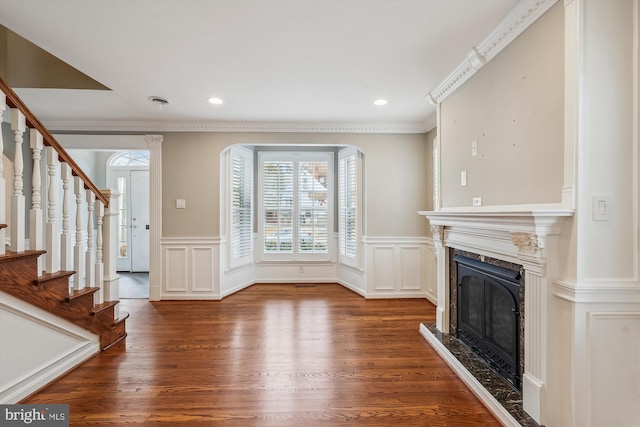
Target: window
295, 205
348, 202
131, 158
241, 206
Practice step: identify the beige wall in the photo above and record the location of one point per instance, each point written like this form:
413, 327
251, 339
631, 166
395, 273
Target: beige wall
397, 168
514, 108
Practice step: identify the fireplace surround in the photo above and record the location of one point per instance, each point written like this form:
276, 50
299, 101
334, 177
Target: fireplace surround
527, 236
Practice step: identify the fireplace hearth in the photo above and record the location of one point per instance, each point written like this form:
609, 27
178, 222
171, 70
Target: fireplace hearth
488, 314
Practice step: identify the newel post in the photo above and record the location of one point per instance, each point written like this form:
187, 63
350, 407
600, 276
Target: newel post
110, 247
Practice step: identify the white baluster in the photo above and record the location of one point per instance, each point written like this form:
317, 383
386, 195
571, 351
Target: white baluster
3, 196
99, 296
19, 126
52, 238
66, 251
90, 256
78, 261
36, 219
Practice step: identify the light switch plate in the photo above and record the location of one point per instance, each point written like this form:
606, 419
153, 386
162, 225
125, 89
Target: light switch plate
601, 205
474, 148
463, 178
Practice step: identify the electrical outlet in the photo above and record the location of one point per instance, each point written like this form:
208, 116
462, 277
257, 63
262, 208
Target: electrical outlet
477, 201
474, 148
181, 204
463, 178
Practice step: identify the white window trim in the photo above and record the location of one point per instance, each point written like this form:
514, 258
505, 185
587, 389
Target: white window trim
295, 257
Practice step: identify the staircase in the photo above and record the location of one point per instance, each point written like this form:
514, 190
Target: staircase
41, 265
51, 292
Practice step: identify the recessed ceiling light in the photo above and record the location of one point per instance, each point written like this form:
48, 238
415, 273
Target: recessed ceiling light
216, 101
380, 102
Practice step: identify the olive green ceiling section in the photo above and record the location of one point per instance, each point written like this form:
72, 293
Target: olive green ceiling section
25, 65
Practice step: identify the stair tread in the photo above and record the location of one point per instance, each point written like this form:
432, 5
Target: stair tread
11, 256
104, 306
51, 276
121, 318
77, 293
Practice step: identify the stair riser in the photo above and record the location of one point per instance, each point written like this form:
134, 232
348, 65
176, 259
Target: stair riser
19, 272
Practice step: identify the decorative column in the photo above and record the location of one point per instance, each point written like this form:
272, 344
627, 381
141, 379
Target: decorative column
533, 256
78, 252
99, 296
442, 275
3, 196
66, 251
154, 143
110, 248
19, 126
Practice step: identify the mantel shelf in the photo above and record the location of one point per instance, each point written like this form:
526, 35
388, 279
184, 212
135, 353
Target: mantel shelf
535, 219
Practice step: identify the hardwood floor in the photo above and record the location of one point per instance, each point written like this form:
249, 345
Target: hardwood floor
271, 355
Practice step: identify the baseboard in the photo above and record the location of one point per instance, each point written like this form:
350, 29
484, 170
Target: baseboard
47, 374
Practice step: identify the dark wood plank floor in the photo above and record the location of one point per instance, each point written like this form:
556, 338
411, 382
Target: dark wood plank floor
271, 355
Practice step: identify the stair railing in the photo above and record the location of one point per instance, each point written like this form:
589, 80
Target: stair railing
91, 259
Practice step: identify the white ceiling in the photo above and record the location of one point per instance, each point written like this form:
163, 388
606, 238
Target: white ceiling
284, 61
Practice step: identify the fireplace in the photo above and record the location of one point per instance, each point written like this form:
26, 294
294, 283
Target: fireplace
488, 314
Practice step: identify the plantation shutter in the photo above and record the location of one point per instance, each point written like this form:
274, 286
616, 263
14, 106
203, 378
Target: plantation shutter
295, 205
277, 199
241, 204
348, 204
313, 215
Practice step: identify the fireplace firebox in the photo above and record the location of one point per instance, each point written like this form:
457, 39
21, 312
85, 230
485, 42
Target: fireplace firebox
488, 315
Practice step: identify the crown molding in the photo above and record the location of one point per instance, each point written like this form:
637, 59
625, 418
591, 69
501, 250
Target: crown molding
519, 18
59, 126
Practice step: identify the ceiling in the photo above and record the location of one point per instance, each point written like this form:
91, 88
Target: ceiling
281, 62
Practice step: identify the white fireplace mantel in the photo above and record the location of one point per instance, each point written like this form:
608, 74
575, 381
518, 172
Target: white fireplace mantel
526, 235
534, 219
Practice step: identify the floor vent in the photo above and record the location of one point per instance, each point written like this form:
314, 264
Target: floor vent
305, 285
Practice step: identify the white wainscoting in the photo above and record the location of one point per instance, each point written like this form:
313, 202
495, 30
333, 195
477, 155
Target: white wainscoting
399, 267
599, 329
394, 267
37, 347
190, 268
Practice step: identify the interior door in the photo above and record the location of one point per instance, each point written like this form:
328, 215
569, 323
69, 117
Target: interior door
139, 220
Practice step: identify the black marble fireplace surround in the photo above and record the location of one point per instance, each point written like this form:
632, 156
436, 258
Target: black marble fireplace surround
510, 366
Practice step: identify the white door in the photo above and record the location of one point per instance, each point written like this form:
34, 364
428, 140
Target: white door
133, 219
139, 220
